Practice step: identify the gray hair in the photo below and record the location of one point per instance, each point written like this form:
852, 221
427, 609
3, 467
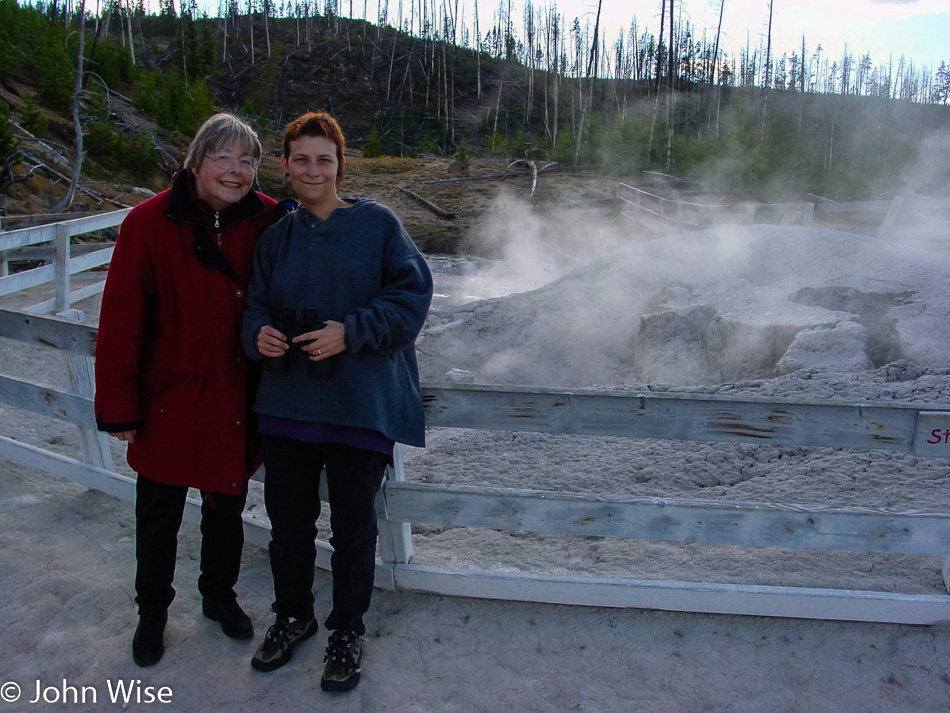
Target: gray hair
218, 132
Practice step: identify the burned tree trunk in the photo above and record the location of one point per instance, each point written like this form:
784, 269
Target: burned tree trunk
77, 161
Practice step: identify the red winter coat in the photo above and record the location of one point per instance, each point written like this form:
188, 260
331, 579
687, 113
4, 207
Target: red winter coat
169, 363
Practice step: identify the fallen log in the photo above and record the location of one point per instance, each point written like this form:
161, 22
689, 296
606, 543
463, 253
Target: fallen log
491, 177
53, 173
429, 204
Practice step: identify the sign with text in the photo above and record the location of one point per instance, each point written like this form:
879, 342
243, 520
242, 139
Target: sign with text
932, 437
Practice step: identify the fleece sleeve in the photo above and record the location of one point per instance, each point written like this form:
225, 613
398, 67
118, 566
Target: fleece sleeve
391, 322
258, 312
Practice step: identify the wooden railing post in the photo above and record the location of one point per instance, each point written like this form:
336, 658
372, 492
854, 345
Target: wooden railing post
62, 268
395, 538
82, 380
4, 262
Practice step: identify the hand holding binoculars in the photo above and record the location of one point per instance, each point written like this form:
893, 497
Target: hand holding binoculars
288, 323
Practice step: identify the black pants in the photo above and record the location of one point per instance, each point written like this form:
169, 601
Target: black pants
158, 512
291, 496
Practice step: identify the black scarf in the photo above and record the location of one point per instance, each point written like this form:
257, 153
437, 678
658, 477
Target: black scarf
184, 208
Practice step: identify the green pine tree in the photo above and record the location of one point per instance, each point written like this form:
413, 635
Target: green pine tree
9, 147
463, 155
374, 145
31, 118
54, 73
7, 57
262, 125
430, 145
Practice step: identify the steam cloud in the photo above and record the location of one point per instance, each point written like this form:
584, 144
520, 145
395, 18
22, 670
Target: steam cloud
707, 307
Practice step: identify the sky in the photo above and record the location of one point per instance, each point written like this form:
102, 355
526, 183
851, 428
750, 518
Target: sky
918, 29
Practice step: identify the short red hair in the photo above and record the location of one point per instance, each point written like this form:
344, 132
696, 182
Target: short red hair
318, 123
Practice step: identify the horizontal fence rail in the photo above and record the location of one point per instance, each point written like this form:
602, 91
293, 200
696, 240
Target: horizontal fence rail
671, 520
666, 215
692, 417
894, 427
65, 265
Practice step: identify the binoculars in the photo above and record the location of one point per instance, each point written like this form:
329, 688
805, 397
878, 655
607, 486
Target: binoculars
288, 323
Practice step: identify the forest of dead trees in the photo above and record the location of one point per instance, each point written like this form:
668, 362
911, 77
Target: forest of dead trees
418, 76
545, 40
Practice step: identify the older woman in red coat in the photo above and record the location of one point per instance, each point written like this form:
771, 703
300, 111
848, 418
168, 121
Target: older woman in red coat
171, 377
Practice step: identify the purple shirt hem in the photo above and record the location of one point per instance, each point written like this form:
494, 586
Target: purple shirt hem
364, 438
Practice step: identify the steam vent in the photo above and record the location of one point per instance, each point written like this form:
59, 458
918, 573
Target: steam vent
708, 307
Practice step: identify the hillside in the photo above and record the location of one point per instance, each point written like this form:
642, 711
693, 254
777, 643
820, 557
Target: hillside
431, 107
253, 87
466, 195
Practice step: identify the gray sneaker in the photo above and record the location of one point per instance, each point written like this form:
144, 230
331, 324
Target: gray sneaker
280, 640
344, 654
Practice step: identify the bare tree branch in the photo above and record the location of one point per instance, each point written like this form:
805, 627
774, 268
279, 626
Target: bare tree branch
77, 162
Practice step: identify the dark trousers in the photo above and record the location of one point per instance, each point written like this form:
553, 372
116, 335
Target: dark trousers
291, 496
158, 512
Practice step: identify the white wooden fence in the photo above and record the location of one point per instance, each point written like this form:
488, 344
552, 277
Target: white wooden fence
698, 417
64, 266
666, 216
900, 427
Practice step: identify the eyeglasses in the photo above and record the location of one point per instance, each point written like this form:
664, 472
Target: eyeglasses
225, 162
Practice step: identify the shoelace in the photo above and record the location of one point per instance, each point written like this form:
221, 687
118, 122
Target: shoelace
277, 634
338, 650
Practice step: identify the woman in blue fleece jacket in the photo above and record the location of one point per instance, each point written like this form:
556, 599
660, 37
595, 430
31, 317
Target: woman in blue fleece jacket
340, 386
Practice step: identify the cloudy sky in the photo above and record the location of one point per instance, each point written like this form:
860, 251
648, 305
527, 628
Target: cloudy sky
918, 29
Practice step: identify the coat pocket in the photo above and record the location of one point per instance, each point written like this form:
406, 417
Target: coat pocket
171, 393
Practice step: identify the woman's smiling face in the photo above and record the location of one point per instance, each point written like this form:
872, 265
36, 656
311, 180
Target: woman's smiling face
220, 181
313, 167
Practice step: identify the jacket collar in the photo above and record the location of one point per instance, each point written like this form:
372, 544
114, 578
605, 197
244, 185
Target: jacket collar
184, 207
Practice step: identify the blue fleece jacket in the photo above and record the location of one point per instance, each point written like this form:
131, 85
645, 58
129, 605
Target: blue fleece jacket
358, 267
